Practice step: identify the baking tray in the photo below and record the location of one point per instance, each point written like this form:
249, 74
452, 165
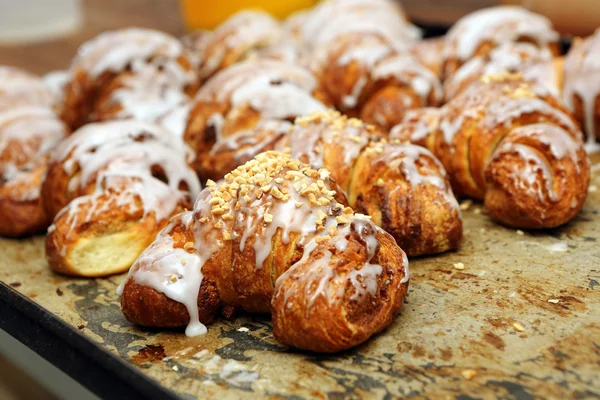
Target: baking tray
510, 315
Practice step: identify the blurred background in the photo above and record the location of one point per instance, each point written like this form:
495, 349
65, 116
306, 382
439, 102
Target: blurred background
43, 35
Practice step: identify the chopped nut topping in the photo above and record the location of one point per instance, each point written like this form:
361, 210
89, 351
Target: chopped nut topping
518, 327
268, 218
340, 219
188, 246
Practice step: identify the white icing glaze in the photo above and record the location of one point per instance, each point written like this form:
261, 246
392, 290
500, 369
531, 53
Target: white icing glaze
120, 155
152, 90
582, 79
56, 81
19, 88
420, 122
242, 32
161, 266
37, 129
533, 62
115, 50
499, 25
331, 19
175, 120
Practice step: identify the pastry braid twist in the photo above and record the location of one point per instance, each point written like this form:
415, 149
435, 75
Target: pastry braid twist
403, 187
479, 32
366, 76
244, 110
110, 188
129, 73
514, 146
581, 90
272, 237
29, 128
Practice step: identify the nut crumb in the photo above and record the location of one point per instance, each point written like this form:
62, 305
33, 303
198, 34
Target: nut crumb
268, 218
469, 373
243, 329
175, 368
553, 301
592, 188
466, 204
477, 211
520, 232
518, 327
459, 265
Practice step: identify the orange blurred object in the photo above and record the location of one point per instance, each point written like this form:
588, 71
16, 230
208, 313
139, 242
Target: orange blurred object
207, 14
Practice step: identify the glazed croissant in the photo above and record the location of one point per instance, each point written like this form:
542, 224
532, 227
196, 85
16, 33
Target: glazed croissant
366, 76
233, 41
402, 187
244, 110
511, 144
581, 90
272, 237
129, 73
110, 188
534, 63
29, 128
479, 32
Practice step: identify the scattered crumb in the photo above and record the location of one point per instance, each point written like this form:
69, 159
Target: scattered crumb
175, 368
482, 230
482, 273
466, 204
15, 284
512, 294
243, 329
592, 188
59, 292
459, 265
469, 373
477, 211
80, 327
518, 327
520, 232
553, 301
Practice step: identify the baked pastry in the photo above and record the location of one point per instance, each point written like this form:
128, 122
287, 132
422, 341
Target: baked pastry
27, 133
57, 81
479, 32
259, 241
366, 77
429, 53
403, 187
332, 19
128, 73
244, 110
20, 88
581, 90
513, 145
534, 63
235, 39
111, 187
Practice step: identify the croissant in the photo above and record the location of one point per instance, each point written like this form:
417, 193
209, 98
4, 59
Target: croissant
479, 32
513, 145
581, 89
403, 187
244, 110
534, 63
129, 73
27, 133
110, 188
235, 39
331, 20
271, 237
366, 77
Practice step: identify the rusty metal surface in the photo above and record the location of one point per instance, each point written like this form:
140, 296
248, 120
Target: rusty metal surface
520, 320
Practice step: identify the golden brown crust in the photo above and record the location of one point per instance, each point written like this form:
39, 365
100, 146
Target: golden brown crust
512, 144
403, 187
236, 38
364, 75
26, 134
110, 188
478, 33
250, 235
104, 86
297, 317
244, 110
